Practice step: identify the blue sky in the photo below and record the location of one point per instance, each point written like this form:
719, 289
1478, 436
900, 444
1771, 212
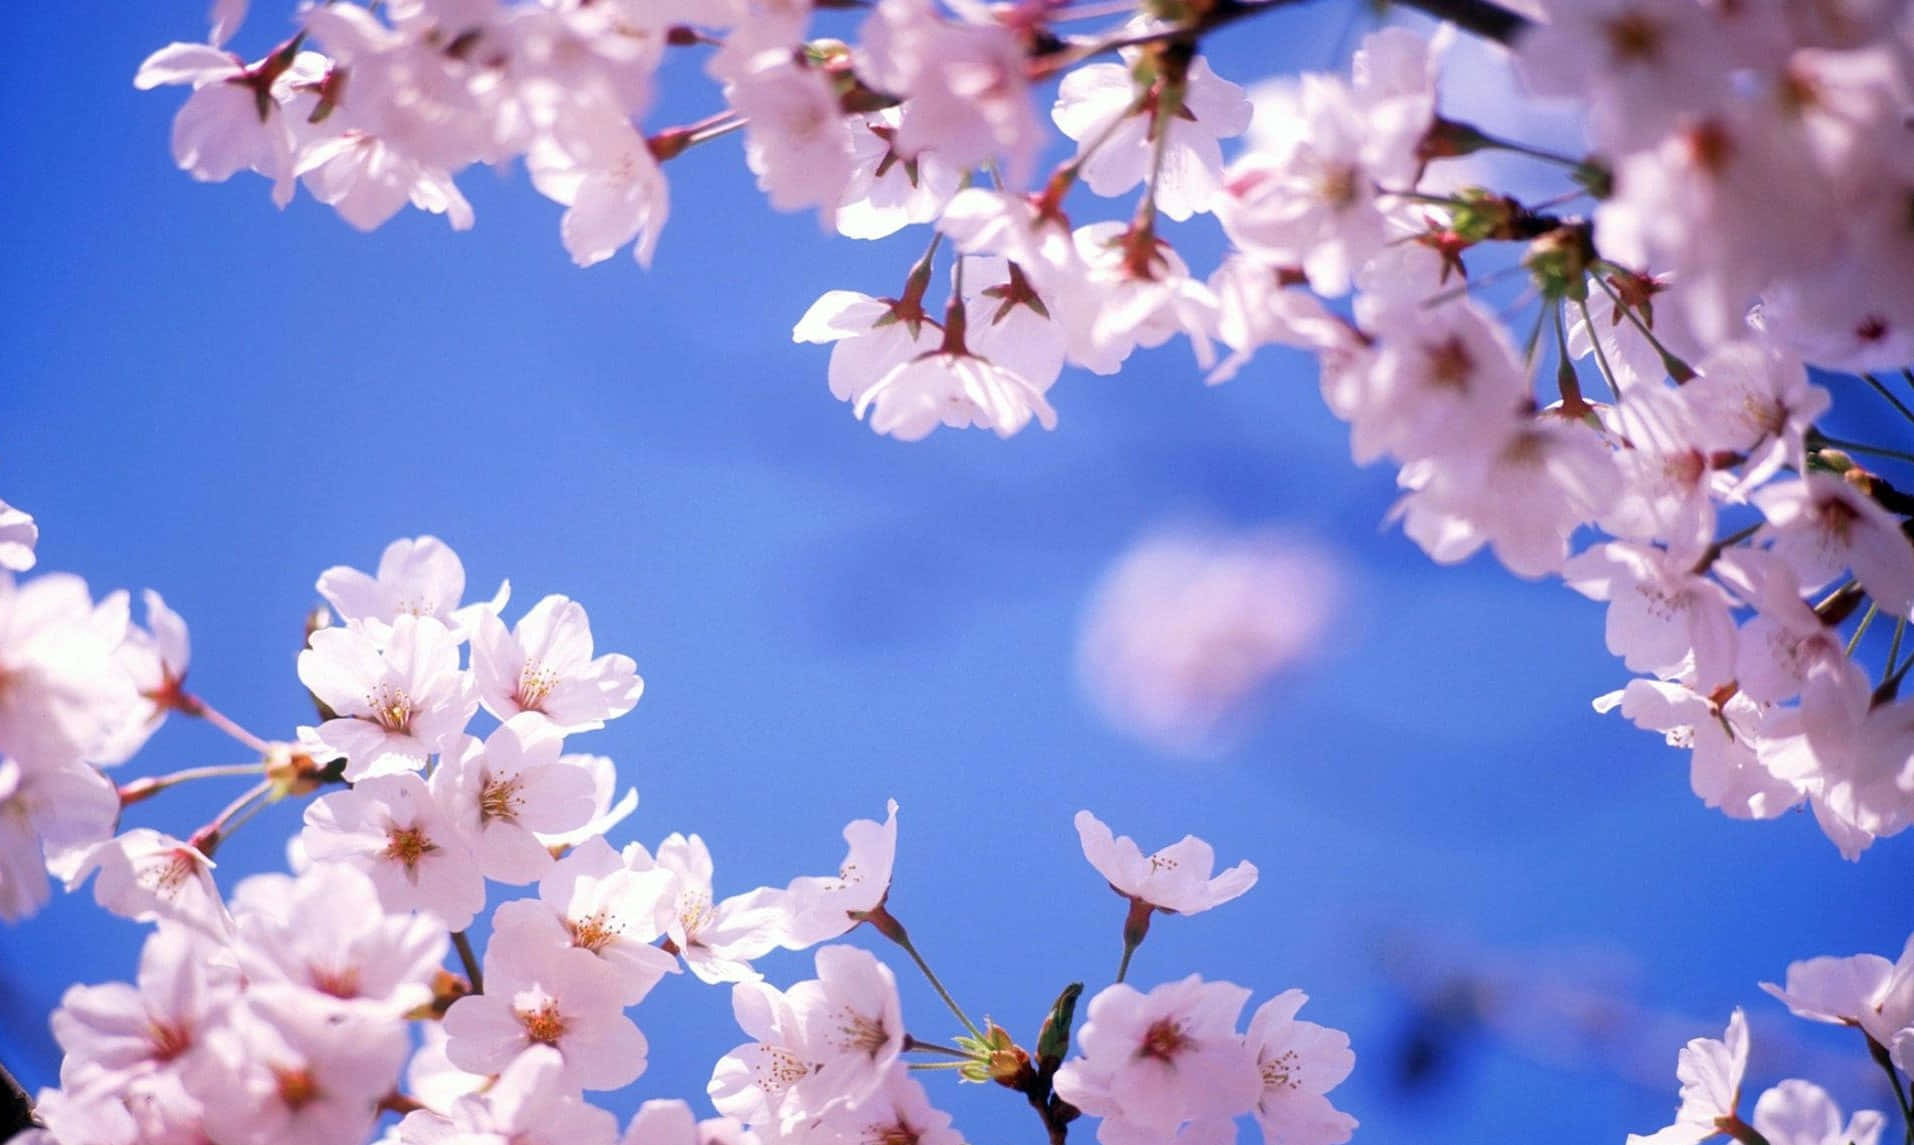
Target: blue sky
207, 396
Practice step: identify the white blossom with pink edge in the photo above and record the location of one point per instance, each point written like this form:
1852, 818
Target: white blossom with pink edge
400, 832
503, 794
1176, 879
326, 930
612, 905
291, 1067
394, 706
561, 1000
1710, 1070
18, 536
545, 665
419, 576
1299, 1063
1157, 1060
528, 1104
1797, 1112
822, 907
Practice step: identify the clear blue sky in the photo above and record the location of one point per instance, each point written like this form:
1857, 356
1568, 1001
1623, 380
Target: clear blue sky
207, 396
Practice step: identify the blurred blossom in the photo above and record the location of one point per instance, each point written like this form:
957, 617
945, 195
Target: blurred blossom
1187, 627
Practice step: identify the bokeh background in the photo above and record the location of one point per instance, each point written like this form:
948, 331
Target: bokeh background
1514, 906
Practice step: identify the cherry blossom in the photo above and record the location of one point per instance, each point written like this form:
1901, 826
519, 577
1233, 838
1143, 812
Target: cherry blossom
394, 706
1158, 1059
1798, 1112
1710, 1070
420, 577
545, 665
561, 1001
147, 875
613, 905
528, 1104
285, 1068
1115, 124
1175, 879
327, 930
398, 831
18, 535
718, 939
822, 907
506, 791
1299, 1063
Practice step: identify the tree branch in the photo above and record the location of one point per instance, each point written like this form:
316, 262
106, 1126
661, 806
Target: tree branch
16, 1108
1489, 20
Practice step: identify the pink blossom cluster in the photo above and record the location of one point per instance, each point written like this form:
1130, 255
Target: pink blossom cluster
315, 1006
1749, 187
81, 688
1864, 992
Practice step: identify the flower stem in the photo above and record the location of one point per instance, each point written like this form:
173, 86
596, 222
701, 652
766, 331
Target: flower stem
1860, 629
469, 960
198, 707
1136, 926
152, 785
1601, 355
1740, 1130
1879, 1053
1677, 369
1897, 403
911, 1043
886, 924
208, 838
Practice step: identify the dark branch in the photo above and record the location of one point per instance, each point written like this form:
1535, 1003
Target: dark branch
1489, 20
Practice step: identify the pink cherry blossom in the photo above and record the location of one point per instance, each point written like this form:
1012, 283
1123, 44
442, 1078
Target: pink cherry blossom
1798, 1112
18, 535
1175, 879
823, 907
503, 794
1158, 1059
1299, 1062
562, 1001
286, 1067
398, 831
394, 706
1710, 1070
545, 665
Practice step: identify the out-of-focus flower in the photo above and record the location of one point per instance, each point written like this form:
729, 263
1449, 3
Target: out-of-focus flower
1187, 627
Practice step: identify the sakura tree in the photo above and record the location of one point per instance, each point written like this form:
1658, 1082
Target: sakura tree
1613, 370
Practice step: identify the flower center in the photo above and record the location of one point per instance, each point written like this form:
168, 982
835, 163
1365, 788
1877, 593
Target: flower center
296, 1087
1450, 364
391, 709
535, 682
593, 933
499, 798
168, 1041
406, 846
544, 1025
342, 982
1280, 1072
1164, 1040
1633, 37
859, 1033
778, 1069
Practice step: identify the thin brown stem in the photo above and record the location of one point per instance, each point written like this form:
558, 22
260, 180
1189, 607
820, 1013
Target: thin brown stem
469, 960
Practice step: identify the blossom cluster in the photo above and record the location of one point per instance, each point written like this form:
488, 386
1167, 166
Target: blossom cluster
288, 1010
1748, 183
1864, 992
